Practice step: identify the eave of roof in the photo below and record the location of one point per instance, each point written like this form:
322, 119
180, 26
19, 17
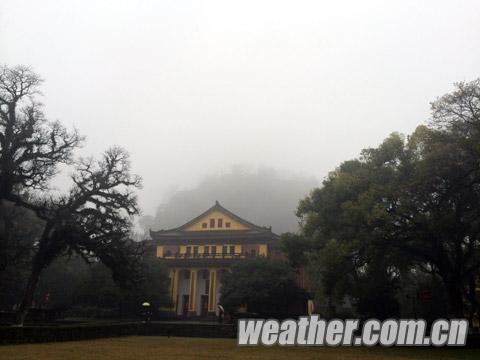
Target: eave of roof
268, 238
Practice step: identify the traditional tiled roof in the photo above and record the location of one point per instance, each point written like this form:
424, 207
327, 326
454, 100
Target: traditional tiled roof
251, 230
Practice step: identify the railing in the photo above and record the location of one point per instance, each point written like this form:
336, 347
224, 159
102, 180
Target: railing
211, 256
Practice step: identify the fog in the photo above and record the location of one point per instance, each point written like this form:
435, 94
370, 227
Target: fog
263, 196
191, 88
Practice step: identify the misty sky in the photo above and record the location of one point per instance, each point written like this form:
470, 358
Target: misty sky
190, 88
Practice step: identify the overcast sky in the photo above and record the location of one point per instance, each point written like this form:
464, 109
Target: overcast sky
191, 87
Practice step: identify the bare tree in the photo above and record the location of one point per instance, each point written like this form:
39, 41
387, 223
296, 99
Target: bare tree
459, 111
30, 150
31, 147
94, 218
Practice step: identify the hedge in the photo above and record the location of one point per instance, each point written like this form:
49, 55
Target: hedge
39, 334
51, 333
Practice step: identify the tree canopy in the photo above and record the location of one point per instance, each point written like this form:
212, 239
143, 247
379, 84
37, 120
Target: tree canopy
84, 290
267, 287
410, 204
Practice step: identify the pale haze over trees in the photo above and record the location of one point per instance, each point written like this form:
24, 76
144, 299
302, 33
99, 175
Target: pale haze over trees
262, 196
191, 88
288, 89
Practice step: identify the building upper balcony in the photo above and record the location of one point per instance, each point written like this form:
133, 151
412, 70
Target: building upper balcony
206, 260
220, 256
225, 251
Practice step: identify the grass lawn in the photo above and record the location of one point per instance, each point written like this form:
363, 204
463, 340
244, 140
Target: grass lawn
156, 347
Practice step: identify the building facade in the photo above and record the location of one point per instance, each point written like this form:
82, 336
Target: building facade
199, 252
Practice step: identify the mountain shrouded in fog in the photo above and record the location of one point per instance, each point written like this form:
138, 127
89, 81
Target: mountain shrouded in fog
264, 197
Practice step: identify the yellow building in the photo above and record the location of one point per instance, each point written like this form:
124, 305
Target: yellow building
200, 251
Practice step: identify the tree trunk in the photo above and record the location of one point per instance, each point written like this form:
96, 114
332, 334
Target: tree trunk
28, 296
41, 260
472, 298
455, 299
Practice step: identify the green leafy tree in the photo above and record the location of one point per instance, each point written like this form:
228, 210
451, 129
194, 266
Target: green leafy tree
295, 246
411, 202
266, 286
422, 295
89, 290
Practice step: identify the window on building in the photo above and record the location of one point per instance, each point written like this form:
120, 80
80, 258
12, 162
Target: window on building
224, 249
214, 250
220, 223
168, 253
252, 253
187, 274
227, 224
188, 251
204, 225
212, 223
232, 249
195, 251
206, 250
